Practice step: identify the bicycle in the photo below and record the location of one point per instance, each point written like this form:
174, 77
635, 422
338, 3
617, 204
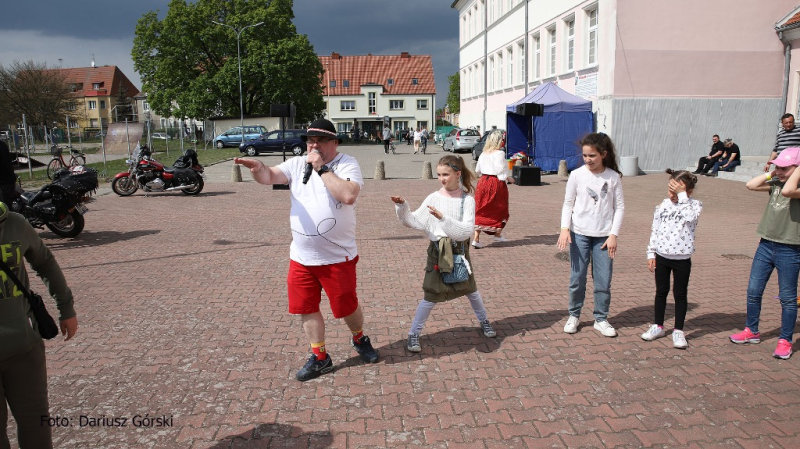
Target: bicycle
57, 162
391, 146
424, 144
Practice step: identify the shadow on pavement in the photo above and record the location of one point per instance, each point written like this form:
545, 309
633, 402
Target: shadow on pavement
463, 339
96, 238
275, 435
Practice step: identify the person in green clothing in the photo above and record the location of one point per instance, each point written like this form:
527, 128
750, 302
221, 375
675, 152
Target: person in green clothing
779, 249
23, 370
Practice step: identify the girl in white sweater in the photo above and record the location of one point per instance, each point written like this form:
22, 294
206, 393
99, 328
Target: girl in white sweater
590, 223
670, 251
448, 218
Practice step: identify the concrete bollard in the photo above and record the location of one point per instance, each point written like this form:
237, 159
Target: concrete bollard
380, 171
562, 169
473, 163
236, 173
427, 172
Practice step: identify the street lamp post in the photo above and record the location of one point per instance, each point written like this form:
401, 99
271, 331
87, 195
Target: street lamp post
239, 59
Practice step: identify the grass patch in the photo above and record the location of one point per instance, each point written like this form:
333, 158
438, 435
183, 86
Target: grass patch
112, 167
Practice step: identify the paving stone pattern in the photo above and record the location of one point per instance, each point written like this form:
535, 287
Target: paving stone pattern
182, 309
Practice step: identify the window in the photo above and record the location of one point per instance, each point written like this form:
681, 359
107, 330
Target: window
510, 65
102, 104
422, 104
345, 127
491, 11
390, 82
469, 25
345, 83
571, 44
400, 126
552, 34
520, 63
372, 103
145, 106
92, 104
422, 124
347, 105
396, 104
93, 123
333, 83
537, 54
414, 81
96, 86
500, 82
592, 37
481, 79
71, 106
491, 73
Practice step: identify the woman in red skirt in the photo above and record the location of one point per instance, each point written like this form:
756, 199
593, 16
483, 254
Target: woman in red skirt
491, 195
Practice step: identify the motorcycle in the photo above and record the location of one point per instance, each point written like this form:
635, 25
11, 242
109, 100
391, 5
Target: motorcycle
59, 205
146, 173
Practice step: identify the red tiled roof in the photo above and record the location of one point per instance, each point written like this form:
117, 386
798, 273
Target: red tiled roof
377, 70
792, 20
109, 75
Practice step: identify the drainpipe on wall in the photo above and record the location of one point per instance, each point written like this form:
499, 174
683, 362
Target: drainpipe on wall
525, 68
485, 63
787, 61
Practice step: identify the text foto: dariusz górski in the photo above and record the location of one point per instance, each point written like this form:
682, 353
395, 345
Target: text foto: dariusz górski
108, 421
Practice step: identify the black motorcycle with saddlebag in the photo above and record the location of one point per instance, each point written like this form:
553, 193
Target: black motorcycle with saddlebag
59, 205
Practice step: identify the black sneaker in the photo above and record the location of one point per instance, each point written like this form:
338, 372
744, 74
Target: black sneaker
314, 368
364, 348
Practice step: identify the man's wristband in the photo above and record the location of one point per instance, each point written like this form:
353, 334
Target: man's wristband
323, 169
769, 177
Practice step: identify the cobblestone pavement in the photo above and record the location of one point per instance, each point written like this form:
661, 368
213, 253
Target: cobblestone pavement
182, 309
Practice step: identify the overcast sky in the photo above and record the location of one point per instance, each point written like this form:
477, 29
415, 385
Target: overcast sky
68, 33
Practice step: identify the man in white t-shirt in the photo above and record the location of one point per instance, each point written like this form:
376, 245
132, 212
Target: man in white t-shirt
323, 253
387, 137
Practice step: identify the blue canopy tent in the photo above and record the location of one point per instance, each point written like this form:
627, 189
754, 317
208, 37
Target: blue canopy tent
554, 135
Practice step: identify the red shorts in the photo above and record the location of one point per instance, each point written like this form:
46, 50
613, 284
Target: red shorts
305, 285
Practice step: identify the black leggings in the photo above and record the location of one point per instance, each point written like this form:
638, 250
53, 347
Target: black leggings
680, 269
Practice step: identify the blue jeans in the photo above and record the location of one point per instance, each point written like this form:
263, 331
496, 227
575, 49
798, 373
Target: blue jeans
722, 162
786, 259
581, 251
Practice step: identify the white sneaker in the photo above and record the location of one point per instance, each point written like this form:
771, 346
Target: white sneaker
678, 339
572, 325
654, 332
477, 245
501, 239
605, 328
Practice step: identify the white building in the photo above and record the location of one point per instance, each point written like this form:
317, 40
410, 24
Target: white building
663, 75
368, 91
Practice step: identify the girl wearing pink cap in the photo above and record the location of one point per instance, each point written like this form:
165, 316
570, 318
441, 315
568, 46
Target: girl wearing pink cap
779, 249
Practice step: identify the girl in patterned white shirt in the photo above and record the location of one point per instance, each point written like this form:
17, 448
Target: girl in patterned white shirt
670, 251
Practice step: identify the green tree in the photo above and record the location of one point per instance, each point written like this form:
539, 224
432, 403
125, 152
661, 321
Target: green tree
189, 66
123, 105
454, 95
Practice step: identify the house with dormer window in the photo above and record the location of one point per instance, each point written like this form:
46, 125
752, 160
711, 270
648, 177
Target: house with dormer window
95, 91
368, 91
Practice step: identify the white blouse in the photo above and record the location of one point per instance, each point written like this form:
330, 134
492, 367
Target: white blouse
493, 163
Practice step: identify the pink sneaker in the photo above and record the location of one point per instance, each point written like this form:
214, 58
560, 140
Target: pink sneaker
784, 350
746, 336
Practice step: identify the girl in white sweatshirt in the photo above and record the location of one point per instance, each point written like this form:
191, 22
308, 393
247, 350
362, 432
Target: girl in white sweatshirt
590, 223
448, 218
670, 251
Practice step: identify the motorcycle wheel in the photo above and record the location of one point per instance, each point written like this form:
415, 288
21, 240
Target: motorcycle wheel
197, 189
124, 186
70, 226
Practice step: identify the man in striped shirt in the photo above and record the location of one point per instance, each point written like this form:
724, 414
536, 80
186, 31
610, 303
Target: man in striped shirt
788, 136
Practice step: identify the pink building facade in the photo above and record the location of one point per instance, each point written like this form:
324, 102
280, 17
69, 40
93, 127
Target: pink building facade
663, 75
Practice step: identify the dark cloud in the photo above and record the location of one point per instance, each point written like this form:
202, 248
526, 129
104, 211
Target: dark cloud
349, 27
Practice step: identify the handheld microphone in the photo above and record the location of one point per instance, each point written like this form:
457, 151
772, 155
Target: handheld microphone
307, 173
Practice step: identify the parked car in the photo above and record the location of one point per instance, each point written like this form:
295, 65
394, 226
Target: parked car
478, 148
233, 136
162, 136
274, 141
460, 139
